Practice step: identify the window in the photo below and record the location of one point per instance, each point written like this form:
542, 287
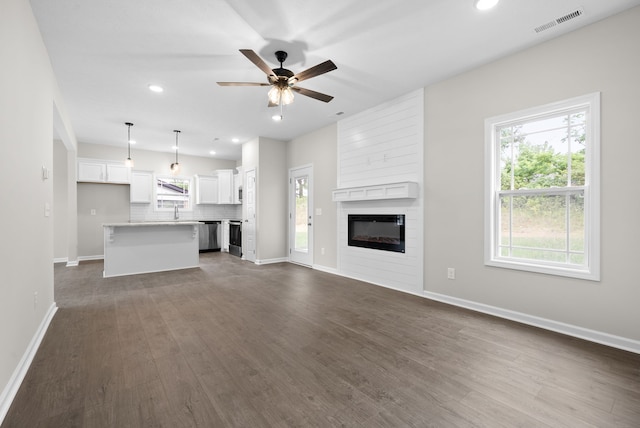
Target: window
542, 189
171, 192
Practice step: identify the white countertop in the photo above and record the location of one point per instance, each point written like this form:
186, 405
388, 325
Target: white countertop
153, 223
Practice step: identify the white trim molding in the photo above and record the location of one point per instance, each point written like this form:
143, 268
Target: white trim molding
595, 336
404, 190
547, 324
11, 389
326, 269
87, 258
271, 261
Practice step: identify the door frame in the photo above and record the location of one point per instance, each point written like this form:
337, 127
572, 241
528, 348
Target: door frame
246, 254
308, 259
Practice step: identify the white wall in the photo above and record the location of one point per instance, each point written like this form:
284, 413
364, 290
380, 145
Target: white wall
272, 188
60, 202
269, 158
319, 148
601, 57
27, 96
111, 205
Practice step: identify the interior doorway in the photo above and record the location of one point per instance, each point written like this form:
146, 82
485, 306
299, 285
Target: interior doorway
301, 215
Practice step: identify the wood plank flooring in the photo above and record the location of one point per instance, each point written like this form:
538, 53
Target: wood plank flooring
232, 344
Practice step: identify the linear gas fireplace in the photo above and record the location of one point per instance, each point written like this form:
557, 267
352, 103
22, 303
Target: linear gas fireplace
377, 231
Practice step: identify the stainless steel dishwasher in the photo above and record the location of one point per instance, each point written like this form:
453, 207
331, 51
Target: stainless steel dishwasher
209, 236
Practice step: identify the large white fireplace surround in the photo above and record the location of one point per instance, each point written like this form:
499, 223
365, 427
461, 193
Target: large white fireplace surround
380, 171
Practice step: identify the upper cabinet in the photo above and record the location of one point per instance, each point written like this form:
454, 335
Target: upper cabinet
218, 188
225, 186
101, 171
141, 190
206, 189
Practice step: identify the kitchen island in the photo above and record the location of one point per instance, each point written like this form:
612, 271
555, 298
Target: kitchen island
133, 248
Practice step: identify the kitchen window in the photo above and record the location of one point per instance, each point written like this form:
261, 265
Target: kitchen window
542, 189
172, 192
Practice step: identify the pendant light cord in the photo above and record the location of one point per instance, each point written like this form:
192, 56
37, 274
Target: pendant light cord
177, 132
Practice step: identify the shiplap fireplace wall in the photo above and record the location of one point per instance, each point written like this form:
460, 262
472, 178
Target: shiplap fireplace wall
380, 160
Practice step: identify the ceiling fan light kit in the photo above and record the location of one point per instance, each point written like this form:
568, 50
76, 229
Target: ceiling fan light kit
283, 81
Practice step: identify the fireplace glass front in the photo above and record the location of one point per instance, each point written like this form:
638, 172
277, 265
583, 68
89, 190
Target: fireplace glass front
377, 231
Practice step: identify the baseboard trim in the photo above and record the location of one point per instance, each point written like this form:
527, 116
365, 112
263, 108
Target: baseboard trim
379, 284
10, 391
326, 269
271, 261
87, 258
595, 336
60, 260
73, 263
544, 323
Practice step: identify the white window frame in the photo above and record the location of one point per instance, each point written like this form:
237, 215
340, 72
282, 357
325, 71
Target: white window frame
155, 192
591, 269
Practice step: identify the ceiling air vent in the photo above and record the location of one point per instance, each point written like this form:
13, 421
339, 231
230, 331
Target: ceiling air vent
561, 20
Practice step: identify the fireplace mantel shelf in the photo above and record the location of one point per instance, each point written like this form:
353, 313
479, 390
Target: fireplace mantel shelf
404, 190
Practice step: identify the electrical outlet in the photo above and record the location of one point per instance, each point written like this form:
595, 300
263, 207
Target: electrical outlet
93, 211
35, 299
451, 273
322, 251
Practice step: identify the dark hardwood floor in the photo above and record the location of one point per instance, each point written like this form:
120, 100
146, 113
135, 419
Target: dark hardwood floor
234, 344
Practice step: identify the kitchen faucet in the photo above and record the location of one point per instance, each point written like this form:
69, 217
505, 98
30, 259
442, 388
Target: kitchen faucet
176, 214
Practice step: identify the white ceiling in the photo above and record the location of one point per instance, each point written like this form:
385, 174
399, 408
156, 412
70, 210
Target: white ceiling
105, 53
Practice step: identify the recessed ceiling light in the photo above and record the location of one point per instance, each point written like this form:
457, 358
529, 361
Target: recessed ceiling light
235, 140
485, 4
132, 141
212, 152
155, 88
277, 117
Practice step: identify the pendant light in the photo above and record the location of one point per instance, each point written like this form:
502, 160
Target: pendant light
129, 162
175, 167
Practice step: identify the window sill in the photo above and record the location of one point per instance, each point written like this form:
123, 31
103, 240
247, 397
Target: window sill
577, 273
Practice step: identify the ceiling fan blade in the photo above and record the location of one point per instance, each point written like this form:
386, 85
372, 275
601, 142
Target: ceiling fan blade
254, 58
313, 94
242, 84
314, 71
272, 104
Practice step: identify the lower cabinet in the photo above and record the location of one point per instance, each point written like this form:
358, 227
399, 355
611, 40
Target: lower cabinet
225, 236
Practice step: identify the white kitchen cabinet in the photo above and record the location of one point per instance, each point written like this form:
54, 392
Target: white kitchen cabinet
225, 186
206, 189
237, 188
141, 189
92, 171
118, 173
102, 171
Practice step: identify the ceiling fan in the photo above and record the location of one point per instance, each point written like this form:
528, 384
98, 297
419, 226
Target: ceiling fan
283, 81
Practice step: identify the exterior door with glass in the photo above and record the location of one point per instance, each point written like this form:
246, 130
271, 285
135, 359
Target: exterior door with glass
300, 215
